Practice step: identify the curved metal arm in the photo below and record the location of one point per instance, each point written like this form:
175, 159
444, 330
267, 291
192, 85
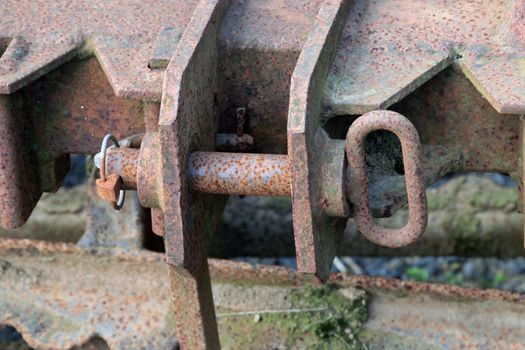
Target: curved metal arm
358, 189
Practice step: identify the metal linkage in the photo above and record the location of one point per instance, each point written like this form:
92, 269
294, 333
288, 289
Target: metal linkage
215, 172
269, 175
358, 180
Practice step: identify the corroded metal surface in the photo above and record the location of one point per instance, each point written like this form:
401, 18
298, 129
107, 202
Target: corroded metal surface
188, 121
59, 296
517, 23
257, 61
120, 33
315, 233
101, 295
148, 170
390, 48
74, 82
240, 173
157, 221
358, 179
418, 316
256, 64
109, 188
256, 57
124, 162
71, 109
18, 191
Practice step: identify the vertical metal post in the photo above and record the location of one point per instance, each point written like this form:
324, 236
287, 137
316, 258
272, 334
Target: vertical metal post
19, 188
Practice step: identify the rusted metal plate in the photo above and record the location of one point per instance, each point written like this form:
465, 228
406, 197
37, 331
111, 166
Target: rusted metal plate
260, 43
462, 120
188, 121
256, 62
390, 48
72, 109
315, 233
26, 59
121, 34
413, 316
133, 33
495, 73
165, 47
59, 296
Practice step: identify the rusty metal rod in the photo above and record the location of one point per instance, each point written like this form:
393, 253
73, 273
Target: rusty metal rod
216, 172
240, 173
123, 161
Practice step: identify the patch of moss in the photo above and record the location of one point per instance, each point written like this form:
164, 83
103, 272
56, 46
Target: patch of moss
280, 203
415, 273
337, 327
503, 199
464, 227
439, 201
335, 323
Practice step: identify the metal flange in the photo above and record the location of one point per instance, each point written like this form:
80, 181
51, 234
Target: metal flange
315, 232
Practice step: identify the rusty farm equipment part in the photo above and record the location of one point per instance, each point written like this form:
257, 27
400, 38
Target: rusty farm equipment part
210, 98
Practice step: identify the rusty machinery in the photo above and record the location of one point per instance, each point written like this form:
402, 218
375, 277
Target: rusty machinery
264, 97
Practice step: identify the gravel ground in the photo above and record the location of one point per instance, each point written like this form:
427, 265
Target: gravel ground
505, 274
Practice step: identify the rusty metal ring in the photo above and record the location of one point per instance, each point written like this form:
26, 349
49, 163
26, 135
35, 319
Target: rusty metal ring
103, 148
357, 190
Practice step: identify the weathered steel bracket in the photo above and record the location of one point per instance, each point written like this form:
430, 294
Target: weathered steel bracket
315, 232
26, 60
188, 119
